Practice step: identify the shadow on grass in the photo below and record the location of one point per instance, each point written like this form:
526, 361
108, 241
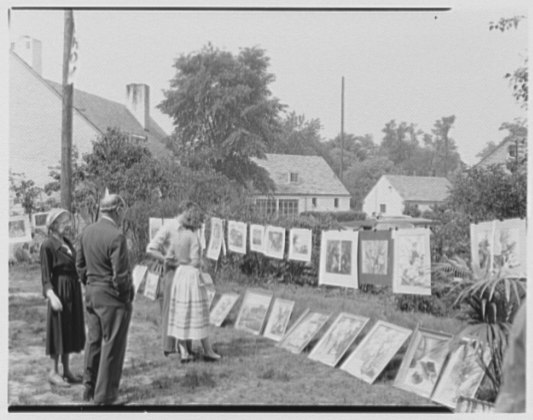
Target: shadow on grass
243, 346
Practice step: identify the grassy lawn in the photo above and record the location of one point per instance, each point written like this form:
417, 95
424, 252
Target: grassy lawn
253, 370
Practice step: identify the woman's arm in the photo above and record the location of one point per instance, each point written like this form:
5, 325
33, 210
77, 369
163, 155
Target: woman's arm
156, 248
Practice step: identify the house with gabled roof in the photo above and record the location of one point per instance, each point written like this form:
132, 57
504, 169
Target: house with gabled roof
302, 183
507, 151
390, 195
35, 116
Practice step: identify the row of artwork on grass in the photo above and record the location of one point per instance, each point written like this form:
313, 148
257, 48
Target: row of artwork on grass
429, 367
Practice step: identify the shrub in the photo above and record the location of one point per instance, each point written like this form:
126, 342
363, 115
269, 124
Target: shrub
339, 216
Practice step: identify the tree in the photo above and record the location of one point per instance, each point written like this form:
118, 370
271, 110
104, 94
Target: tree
222, 108
399, 144
356, 150
298, 136
487, 150
446, 158
25, 191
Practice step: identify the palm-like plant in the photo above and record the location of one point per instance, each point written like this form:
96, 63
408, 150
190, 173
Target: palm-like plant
488, 300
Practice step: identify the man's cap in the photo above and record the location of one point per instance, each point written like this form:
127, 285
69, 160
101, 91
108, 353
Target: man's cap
112, 202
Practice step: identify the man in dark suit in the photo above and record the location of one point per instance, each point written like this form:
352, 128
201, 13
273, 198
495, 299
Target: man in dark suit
103, 267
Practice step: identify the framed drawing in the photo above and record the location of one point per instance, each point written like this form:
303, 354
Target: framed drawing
222, 308
274, 242
210, 296
154, 224
206, 278
510, 243
338, 259
300, 244
336, 340
423, 362
19, 229
237, 236
375, 258
278, 319
462, 375
482, 245
138, 275
39, 222
151, 287
303, 331
412, 262
257, 233
215, 240
253, 311
375, 351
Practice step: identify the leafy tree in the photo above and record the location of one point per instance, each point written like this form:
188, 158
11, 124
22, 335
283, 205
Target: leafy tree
222, 108
446, 157
487, 150
298, 136
399, 143
25, 192
356, 150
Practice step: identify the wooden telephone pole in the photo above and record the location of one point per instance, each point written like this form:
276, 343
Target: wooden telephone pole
66, 126
342, 130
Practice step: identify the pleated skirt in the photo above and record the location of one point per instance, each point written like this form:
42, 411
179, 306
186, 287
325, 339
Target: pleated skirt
188, 314
65, 330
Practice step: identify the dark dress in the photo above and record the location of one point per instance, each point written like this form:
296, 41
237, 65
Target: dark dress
65, 330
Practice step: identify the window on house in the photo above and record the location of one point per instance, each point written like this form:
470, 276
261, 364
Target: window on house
313, 202
293, 177
382, 208
336, 203
512, 150
266, 206
288, 207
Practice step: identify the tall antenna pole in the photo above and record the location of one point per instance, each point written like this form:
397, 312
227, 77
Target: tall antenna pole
66, 126
342, 129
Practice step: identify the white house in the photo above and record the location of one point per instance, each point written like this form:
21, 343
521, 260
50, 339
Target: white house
507, 151
35, 116
392, 193
302, 183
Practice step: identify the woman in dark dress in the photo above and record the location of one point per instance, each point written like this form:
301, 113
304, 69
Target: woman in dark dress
65, 327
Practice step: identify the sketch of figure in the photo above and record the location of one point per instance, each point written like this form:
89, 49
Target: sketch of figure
279, 319
257, 237
427, 362
484, 252
235, 238
222, 308
339, 257
506, 249
413, 271
375, 254
275, 241
304, 331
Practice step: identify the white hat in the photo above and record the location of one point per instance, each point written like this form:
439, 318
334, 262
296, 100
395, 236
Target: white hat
53, 215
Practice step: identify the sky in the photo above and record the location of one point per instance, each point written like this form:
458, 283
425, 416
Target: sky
408, 66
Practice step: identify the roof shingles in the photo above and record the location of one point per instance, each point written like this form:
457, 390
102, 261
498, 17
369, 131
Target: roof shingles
420, 188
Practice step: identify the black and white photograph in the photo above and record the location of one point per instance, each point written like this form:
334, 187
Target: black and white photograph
288, 142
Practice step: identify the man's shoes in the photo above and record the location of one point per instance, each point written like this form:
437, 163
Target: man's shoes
213, 357
88, 394
117, 401
73, 379
56, 380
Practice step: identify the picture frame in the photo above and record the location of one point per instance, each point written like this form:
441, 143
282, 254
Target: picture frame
482, 245
253, 311
215, 240
300, 244
206, 278
510, 247
274, 242
222, 308
338, 259
375, 351
423, 362
39, 222
412, 261
338, 338
257, 233
151, 286
138, 275
462, 373
301, 334
278, 320
237, 236
19, 229
211, 293
375, 258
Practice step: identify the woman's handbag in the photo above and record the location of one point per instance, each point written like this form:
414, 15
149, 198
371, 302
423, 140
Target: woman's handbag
153, 277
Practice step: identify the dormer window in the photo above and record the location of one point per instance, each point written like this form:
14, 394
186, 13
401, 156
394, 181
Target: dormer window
293, 177
512, 150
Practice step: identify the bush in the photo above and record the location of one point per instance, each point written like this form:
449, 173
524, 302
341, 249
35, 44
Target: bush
339, 216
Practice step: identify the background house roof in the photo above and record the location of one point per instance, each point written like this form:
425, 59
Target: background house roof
420, 188
315, 177
104, 114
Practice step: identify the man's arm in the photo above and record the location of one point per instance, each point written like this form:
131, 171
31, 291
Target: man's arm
81, 264
121, 269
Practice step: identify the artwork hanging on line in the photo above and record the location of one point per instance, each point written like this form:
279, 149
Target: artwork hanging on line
303, 331
338, 338
482, 245
375, 258
138, 275
510, 243
253, 311
19, 229
237, 236
39, 222
462, 374
375, 351
412, 262
274, 242
278, 319
257, 243
215, 240
222, 308
300, 244
423, 362
338, 259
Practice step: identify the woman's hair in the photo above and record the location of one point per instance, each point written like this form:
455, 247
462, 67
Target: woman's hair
193, 218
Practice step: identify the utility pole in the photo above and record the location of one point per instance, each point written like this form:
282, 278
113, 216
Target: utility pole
66, 125
342, 130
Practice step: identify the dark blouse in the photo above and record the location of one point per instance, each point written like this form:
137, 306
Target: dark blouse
56, 261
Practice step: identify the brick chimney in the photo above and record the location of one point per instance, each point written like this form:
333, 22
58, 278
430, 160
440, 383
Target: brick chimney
138, 103
30, 50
